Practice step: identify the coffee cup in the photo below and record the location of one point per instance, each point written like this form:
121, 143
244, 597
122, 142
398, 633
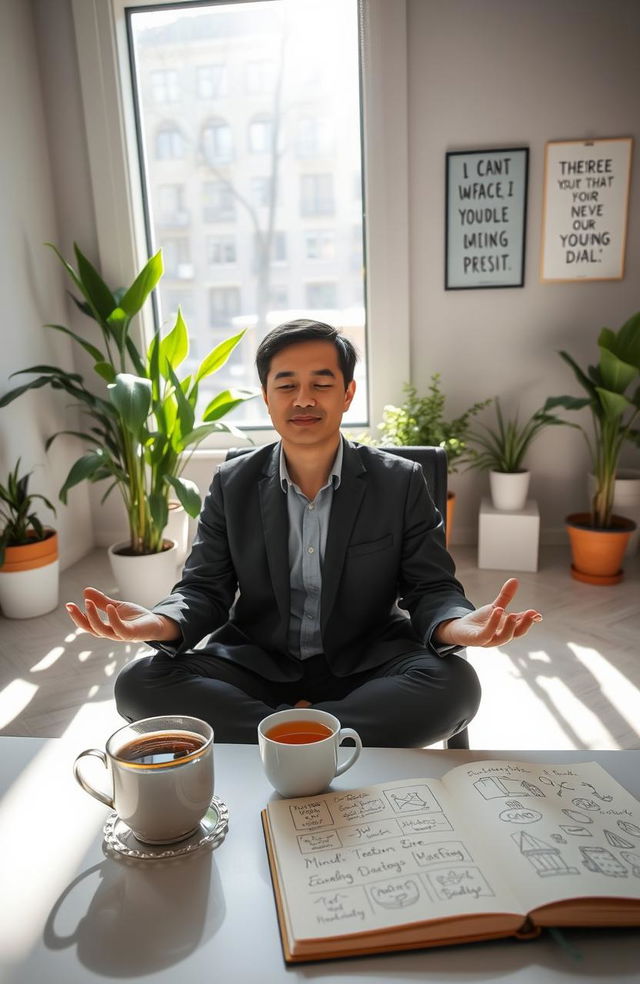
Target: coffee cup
161, 772
299, 750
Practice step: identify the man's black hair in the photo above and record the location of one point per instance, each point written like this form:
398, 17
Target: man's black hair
303, 330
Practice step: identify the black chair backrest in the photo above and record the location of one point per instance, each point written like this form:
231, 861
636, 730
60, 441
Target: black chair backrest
432, 460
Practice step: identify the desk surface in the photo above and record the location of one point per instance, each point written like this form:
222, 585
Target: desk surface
71, 914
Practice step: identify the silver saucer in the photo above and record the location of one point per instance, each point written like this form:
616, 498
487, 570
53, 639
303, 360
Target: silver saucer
211, 831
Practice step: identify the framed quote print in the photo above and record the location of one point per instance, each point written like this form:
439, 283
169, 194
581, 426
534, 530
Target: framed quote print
586, 193
486, 218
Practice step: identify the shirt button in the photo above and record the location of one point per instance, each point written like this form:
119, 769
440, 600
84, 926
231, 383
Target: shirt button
311, 505
310, 617
310, 550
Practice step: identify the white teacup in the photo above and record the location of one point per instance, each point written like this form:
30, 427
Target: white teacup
303, 761
161, 771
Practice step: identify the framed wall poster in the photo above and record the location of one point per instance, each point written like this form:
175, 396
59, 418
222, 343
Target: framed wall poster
584, 225
486, 218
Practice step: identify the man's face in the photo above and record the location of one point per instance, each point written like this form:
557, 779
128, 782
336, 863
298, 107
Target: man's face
305, 393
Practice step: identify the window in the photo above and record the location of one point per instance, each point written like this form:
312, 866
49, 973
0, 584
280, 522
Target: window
322, 296
221, 250
320, 245
260, 77
260, 135
224, 304
314, 137
164, 86
217, 145
248, 168
176, 255
171, 206
169, 143
211, 81
219, 204
316, 194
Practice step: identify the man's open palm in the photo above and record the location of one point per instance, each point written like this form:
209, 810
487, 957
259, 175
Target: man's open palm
111, 618
491, 625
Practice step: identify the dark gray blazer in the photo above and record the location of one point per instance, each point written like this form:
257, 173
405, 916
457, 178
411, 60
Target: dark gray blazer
385, 543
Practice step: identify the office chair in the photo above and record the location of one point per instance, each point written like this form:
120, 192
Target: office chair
433, 462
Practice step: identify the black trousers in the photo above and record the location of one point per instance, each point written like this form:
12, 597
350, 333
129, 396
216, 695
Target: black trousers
413, 700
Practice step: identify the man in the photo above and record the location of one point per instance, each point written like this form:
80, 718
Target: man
301, 552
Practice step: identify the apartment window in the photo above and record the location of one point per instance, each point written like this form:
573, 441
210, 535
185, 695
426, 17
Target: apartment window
239, 185
217, 143
169, 143
322, 296
164, 86
171, 209
176, 254
211, 81
260, 77
224, 304
221, 250
316, 194
219, 204
314, 137
260, 131
320, 245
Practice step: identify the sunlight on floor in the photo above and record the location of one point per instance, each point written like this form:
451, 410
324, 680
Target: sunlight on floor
615, 686
48, 659
585, 725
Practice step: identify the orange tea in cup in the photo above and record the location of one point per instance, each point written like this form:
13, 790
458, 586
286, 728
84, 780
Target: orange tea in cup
299, 732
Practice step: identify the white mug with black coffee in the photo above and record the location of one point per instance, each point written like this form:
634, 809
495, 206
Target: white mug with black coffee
161, 772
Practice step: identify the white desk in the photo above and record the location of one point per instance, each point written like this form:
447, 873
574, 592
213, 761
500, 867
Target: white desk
70, 914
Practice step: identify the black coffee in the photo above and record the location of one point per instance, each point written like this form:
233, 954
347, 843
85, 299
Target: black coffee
161, 748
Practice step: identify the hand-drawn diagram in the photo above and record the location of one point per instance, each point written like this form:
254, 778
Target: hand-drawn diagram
629, 828
455, 883
412, 799
496, 787
577, 816
576, 831
517, 813
432, 823
616, 840
397, 894
346, 906
446, 852
358, 805
558, 786
310, 814
634, 860
602, 861
545, 858
318, 842
606, 798
363, 833
585, 804
558, 838
578, 827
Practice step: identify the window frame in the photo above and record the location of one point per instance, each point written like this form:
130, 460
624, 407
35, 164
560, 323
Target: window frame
106, 84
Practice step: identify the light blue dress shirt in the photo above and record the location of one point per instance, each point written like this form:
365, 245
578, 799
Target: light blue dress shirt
308, 526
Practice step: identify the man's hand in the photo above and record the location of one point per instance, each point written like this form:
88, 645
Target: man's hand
490, 625
122, 620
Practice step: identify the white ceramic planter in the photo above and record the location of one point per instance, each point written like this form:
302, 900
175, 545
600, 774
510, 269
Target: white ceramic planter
177, 529
626, 501
26, 594
147, 579
509, 490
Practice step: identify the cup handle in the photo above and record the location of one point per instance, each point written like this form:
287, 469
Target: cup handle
107, 800
349, 733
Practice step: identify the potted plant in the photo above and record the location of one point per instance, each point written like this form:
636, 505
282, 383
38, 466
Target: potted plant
420, 420
143, 428
29, 574
501, 452
599, 537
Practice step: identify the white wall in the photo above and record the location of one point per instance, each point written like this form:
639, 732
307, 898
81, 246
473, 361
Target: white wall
31, 289
503, 73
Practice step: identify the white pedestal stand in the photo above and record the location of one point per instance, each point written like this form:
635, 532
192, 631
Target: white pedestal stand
508, 540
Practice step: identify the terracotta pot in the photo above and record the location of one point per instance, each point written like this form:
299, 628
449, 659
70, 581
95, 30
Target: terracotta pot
598, 554
451, 504
29, 578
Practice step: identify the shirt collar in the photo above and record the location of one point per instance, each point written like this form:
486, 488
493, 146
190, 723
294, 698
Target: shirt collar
334, 475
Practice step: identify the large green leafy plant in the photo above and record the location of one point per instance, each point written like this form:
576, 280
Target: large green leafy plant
613, 397
420, 420
19, 524
143, 428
